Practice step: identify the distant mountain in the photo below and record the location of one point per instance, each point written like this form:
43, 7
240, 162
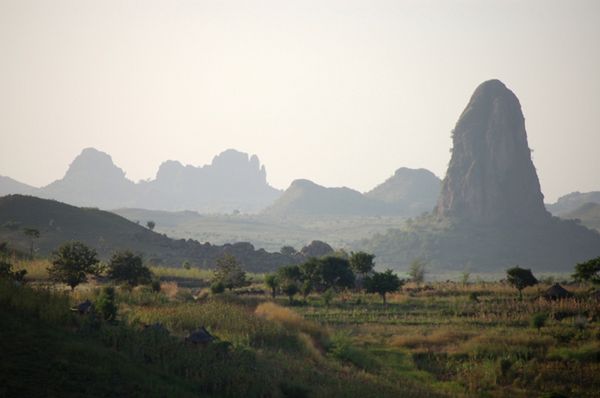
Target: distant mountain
588, 214
305, 198
409, 191
571, 202
233, 181
108, 232
93, 180
8, 186
490, 213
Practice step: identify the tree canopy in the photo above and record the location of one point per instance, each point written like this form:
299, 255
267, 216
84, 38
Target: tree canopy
520, 278
229, 272
124, 266
588, 271
72, 262
361, 262
383, 283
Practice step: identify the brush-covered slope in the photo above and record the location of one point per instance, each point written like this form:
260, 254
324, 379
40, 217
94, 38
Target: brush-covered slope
571, 202
588, 214
108, 232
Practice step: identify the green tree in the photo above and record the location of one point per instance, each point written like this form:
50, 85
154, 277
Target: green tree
106, 304
520, 278
33, 234
588, 271
417, 271
310, 272
151, 224
272, 283
290, 288
229, 272
538, 320
289, 273
361, 262
72, 262
336, 273
383, 283
126, 267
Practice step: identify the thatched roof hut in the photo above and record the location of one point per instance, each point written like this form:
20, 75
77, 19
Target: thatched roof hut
83, 308
557, 292
200, 336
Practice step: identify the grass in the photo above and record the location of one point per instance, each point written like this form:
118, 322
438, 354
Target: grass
427, 342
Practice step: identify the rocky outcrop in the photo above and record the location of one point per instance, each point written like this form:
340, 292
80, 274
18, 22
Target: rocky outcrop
491, 179
571, 202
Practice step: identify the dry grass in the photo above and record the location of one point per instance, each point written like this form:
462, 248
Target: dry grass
36, 269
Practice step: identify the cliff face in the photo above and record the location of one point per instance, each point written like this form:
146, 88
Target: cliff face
491, 178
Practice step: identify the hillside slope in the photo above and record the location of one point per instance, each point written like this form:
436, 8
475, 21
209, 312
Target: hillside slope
588, 214
108, 232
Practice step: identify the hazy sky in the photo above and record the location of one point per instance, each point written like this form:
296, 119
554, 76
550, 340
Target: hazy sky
339, 92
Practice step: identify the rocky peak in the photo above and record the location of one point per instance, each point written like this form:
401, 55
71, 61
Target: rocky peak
92, 163
491, 178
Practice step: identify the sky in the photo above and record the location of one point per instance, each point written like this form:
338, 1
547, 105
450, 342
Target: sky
339, 92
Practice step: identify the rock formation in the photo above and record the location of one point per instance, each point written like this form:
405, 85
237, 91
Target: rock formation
491, 178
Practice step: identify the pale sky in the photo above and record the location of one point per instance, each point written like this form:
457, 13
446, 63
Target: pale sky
340, 92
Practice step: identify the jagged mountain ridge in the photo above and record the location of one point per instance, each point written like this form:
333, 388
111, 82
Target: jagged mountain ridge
232, 181
571, 202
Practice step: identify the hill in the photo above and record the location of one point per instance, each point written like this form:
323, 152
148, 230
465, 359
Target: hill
490, 213
305, 198
233, 181
108, 232
409, 191
571, 202
588, 214
8, 186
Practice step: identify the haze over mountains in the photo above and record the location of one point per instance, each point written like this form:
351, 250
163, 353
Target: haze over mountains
233, 181
490, 211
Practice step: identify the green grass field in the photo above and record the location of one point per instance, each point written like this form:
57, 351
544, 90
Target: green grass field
448, 339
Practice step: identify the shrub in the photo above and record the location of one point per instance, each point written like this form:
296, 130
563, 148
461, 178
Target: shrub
217, 287
72, 262
538, 320
124, 266
106, 304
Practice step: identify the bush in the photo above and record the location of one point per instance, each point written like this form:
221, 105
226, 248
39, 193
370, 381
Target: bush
538, 320
217, 287
127, 267
106, 304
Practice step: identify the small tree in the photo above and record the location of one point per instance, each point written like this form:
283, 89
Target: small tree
538, 320
72, 263
382, 283
290, 289
229, 272
588, 271
306, 288
272, 283
417, 271
126, 267
520, 278
33, 234
106, 304
151, 224
361, 262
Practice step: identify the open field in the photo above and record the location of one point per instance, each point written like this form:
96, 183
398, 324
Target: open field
446, 339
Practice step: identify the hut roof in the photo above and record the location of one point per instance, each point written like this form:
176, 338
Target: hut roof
557, 292
200, 336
